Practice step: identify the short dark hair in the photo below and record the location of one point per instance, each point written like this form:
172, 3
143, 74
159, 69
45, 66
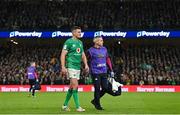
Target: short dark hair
75, 27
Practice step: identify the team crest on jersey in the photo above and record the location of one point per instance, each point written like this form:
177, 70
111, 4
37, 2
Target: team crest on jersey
78, 50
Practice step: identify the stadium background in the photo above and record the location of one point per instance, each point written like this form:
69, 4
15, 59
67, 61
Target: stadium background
138, 62
149, 61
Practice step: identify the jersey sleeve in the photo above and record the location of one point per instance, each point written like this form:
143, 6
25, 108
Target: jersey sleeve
66, 45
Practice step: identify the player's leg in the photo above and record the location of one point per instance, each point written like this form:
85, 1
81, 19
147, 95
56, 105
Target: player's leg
30, 83
31, 86
74, 77
74, 85
68, 96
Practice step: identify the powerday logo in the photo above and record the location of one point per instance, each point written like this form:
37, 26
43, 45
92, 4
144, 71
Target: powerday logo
25, 34
110, 34
153, 34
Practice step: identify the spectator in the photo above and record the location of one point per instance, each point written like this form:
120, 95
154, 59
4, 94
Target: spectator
101, 15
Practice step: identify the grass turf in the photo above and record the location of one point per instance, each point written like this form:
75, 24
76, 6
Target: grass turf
127, 103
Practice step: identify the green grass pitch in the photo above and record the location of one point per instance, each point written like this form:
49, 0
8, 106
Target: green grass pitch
127, 103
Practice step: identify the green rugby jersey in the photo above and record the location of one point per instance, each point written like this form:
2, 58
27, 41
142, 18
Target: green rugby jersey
74, 55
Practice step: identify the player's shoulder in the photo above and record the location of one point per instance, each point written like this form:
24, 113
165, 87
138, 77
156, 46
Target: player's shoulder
68, 41
80, 41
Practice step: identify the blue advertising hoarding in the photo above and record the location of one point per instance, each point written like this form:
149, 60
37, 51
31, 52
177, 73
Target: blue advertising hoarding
91, 34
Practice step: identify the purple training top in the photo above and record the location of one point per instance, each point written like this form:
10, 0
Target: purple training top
98, 60
31, 72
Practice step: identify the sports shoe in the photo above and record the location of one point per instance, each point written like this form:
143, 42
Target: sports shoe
98, 107
93, 102
80, 109
65, 108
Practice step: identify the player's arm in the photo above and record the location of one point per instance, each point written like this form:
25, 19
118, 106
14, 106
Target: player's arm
62, 58
88, 55
84, 59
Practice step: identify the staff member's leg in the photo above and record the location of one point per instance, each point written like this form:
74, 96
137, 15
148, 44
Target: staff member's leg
104, 84
34, 89
31, 83
97, 86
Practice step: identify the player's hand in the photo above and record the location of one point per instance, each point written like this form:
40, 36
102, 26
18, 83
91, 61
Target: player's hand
64, 71
112, 74
86, 69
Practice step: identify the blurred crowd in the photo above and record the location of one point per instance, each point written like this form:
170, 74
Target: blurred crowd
149, 65
89, 14
137, 65
148, 14
14, 63
134, 64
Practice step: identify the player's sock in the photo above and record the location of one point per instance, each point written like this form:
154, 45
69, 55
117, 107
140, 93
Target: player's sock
76, 98
68, 97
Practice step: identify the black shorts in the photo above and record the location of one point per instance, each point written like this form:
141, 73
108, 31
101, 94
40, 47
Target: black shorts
32, 81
